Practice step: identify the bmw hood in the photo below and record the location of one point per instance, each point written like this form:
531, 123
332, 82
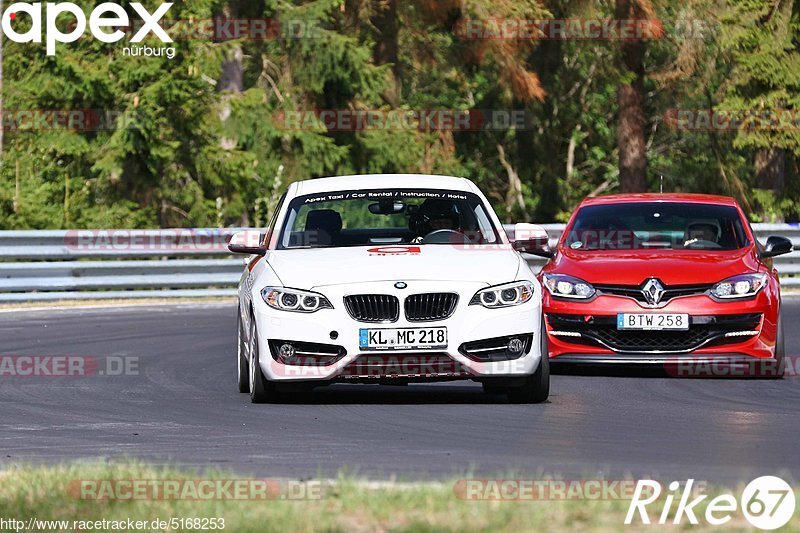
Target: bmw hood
320, 267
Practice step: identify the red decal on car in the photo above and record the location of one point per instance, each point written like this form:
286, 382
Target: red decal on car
394, 250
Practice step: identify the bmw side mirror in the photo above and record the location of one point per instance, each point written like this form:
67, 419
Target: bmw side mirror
247, 242
531, 239
777, 246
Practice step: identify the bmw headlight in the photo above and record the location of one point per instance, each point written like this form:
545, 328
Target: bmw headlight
505, 295
294, 300
742, 286
563, 286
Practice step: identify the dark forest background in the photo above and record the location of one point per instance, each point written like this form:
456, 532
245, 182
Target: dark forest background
198, 140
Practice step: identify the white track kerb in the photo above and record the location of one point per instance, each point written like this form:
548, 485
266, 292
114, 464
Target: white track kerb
342, 280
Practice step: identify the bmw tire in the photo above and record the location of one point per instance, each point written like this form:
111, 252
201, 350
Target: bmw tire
536, 388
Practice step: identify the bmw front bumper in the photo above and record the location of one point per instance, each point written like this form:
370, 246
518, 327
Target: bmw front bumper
334, 332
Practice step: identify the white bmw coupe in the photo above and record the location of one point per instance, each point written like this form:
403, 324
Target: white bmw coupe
390, 279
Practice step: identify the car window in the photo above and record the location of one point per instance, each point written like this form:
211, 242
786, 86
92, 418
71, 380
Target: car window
656, 225
385, 217
271, 226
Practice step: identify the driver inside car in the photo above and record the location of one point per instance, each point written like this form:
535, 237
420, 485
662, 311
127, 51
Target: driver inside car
701, 232
434, 215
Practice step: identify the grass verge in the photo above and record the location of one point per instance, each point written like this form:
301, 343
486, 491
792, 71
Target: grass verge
346, 504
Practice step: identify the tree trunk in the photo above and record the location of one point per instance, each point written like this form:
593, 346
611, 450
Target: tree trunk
631, 96
386, 45
514, 196
545, 174
231, 76
770, 169
792, 181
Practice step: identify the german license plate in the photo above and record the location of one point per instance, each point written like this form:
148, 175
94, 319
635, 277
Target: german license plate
402, 338
653, 321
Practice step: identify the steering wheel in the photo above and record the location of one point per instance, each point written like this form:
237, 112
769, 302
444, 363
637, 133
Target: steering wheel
445, 236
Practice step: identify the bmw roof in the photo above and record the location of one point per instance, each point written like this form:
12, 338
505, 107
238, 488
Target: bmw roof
383, 181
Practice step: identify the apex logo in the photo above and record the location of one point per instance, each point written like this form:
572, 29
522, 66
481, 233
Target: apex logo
103, 18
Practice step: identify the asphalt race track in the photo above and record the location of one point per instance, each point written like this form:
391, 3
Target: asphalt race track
181, 406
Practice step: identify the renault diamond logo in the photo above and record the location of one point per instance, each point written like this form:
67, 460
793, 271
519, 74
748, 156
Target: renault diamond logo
653, 291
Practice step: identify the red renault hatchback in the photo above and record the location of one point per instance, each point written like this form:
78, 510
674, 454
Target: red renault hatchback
664, 279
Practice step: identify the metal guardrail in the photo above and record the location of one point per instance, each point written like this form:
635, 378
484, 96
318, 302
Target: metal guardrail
113, 244
78, 265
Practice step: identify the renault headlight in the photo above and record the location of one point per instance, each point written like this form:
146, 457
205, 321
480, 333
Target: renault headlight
563, 286
294, 300
742, 286
505, 295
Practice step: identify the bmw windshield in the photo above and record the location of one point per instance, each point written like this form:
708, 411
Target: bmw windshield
387, 217
657, 226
